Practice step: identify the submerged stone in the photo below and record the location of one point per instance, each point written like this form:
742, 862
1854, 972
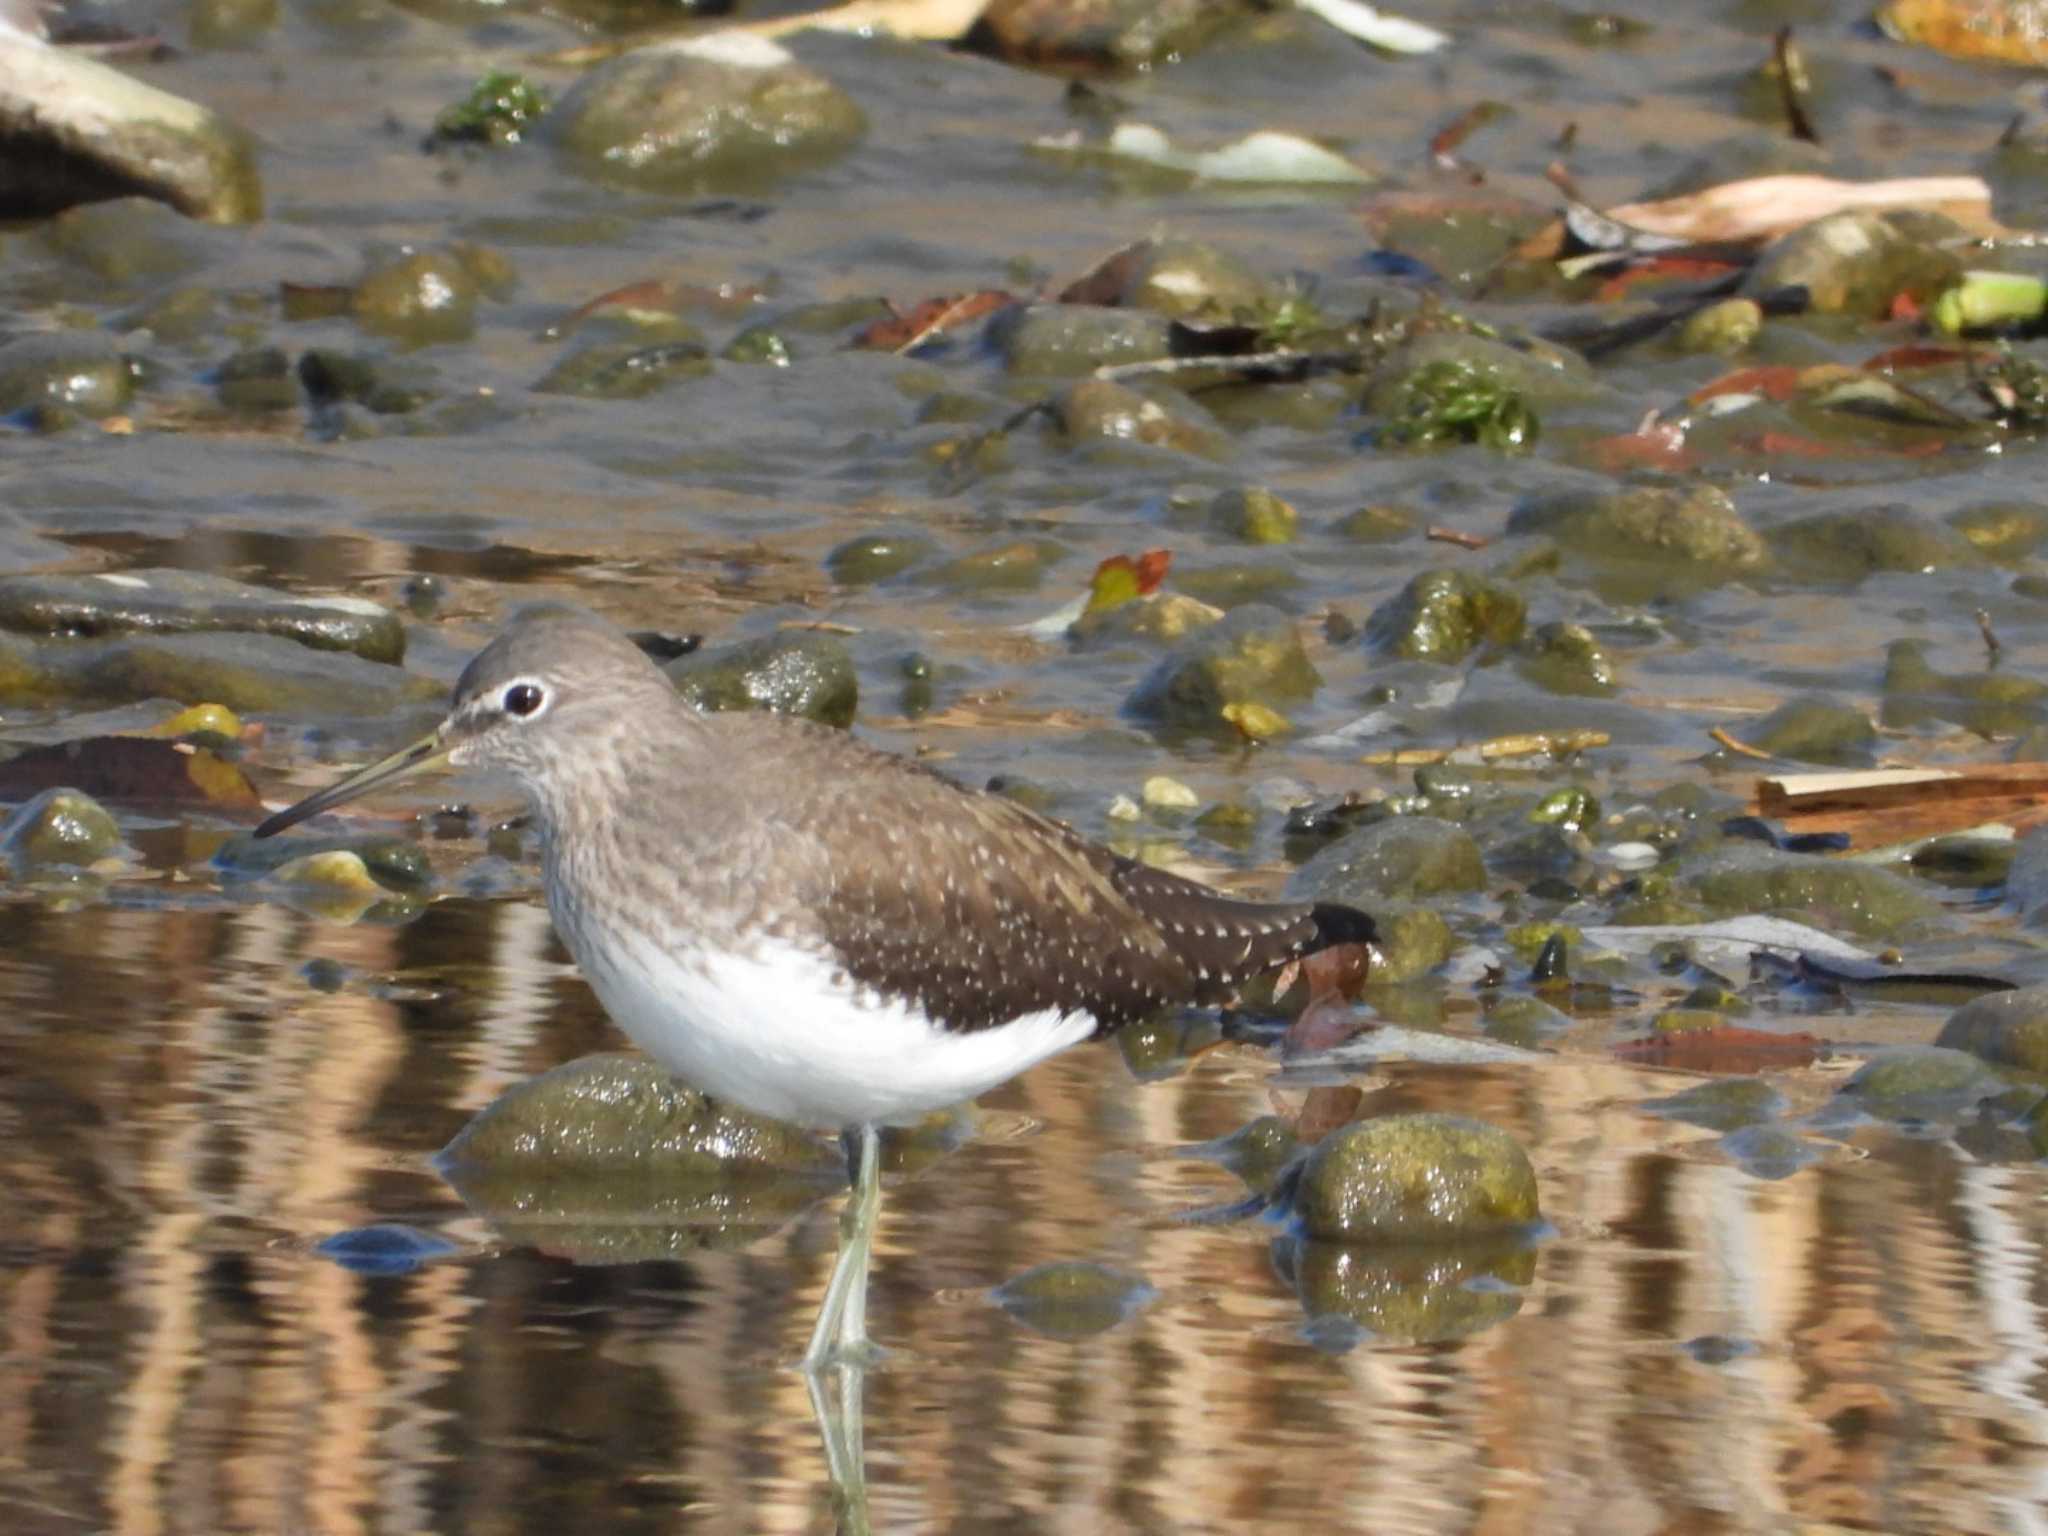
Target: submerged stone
1059, 340
792, 672
1922, 1083
1814, 729
2006, 531
1073, 1300
59, 828
251, 673
190, 602
1519, 1019
1443, 615
1768, 1151
1403, 856
1257, 1153
871, 557
81, 371
1726, 1104
625, 370
1697, 527
1252, 656
1158, 618
1416, 1178
1016, 565
1254, 515
2006, 1029
1851, 544
422, 297
1862, 899
1565, 658
1989, 703
708, 111
1098, 408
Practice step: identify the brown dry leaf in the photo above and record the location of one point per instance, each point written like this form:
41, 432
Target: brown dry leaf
130, 770
936, 21
905, 329
1764, 207
1882, 807
1729, 1050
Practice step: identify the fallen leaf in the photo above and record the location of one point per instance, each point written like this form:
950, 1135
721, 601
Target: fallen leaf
1121, 578
1730, 1050
905, 329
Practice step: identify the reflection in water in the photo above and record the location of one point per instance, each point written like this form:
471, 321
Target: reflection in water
1858, 1345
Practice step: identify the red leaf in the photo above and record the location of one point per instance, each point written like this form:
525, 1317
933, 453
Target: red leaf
1730, 1049
906, 328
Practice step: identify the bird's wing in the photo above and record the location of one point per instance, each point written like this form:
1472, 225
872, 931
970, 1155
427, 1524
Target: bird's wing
981, 911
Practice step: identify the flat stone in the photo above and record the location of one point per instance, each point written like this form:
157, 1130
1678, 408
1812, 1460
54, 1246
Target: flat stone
168, 602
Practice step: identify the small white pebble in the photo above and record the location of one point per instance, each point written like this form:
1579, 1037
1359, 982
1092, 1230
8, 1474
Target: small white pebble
1123, 808
1631, 856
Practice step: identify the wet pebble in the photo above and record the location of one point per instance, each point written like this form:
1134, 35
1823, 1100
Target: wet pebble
792, 672
1254, 655
189, 602
1443, 615
1416, 1178
59, 828
1403, 856
2006, 1029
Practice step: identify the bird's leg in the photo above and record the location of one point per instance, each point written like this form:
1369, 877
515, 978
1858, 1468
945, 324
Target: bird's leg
843, 1316
840, 1427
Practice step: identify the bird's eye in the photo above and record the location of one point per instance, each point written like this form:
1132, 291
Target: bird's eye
523, 698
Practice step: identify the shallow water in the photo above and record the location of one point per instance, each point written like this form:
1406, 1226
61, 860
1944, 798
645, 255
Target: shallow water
187, 1112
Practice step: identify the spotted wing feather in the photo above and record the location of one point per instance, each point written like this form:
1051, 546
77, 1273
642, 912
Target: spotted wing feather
980, 912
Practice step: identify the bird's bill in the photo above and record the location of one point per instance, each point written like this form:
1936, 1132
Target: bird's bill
428, 752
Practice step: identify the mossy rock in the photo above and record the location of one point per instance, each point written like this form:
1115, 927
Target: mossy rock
1062, 340
1403, 857
1412, 941
74, 371
1815, 729
1443, 615
1565, 658
1849, 545
1252, 656
1253, 515
793, 672
1725, 1104
1857, 263
190, 602
1922, 1083
1422, 1178
684, 116
1862, 899
1696, 528
2006, 1029
59, 828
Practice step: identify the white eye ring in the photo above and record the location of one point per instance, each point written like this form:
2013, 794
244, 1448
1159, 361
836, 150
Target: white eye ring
524, 699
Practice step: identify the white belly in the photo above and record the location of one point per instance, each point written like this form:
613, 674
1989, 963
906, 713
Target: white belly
763, 1032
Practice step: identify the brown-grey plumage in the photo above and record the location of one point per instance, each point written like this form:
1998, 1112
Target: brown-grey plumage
967, 905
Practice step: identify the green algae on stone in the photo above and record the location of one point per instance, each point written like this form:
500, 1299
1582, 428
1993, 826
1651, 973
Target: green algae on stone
1989, 703
1768, 1151
1073, 1299
1405, 856
422, 297
872, 557
1257, 1152
2006, 1029
792, 672
385, 386
699, 113
1565, 658
396, 864
257, 380
2005, 531
1377, 523
1835, 894
623, 370
1848, 545
190, 602
81, 371
1156, 618
1416, 1178
1516, 1018
1190, 279
1696, 527
1443, 615
610, 1159
1254, 655
1721, 329
1013, 565
59, 828
1816, 729
1095, 408
1254, 515
501, 108
1857, 263
1923, 1083
1724, 1104
249, 673
1411, 942
1062, 340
